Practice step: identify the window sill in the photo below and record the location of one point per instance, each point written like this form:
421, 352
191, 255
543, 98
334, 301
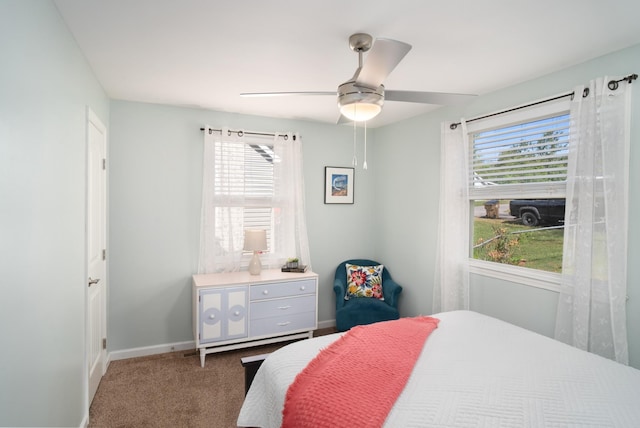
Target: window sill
520, 275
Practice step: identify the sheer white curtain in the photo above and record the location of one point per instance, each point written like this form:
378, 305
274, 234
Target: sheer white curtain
451, 282
290, 225
226, 201
592, 304
221, 227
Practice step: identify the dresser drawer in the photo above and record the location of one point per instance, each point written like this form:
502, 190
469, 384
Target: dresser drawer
283, 289
283, 324
286, 306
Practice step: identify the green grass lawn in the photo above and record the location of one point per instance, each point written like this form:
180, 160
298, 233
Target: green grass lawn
536, 250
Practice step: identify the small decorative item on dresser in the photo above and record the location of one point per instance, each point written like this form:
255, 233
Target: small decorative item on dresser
292, 265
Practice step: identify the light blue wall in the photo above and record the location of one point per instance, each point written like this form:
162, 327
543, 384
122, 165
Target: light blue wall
408, 186
45, 88
155, 194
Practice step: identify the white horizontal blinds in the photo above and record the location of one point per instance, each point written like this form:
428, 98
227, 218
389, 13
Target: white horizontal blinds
243, 189
243, 170
530, 152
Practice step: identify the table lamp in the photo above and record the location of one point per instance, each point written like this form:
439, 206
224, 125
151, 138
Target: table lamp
255, 240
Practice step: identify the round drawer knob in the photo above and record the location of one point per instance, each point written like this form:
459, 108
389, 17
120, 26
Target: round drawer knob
212, 316
265, 292
236, 313
302, 288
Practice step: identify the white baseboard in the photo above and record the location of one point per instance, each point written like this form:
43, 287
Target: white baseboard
151, 350
171, 347
327, 324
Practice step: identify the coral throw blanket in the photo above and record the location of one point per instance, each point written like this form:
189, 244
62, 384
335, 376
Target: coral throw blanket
355, 381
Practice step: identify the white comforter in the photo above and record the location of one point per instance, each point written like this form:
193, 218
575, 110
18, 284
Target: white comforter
477, 371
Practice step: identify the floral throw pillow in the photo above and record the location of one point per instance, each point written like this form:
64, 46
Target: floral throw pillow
364, 281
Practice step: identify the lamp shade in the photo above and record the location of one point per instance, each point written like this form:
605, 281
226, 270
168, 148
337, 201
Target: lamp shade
255, 239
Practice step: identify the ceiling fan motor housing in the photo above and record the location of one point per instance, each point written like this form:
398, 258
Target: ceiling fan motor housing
349, 93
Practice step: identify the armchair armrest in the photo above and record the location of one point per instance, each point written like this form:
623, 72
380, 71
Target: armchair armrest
340, 288
391, 291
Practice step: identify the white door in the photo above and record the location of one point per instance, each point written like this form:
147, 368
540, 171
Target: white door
96, 251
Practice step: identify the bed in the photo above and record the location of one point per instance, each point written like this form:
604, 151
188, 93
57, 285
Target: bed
477, 371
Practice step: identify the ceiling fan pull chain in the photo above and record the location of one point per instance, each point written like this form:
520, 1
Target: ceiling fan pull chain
354, 161
364, 165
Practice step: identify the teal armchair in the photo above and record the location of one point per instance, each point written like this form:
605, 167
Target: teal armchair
364, 310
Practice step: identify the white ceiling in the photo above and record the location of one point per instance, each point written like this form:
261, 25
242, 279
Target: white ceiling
204, 53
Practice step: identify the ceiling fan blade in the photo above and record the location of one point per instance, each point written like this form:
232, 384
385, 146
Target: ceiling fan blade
439, 98
279, 94
381, 60
343, 119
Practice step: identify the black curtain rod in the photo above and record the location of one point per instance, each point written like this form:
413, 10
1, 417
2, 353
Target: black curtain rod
241, 133
613, 85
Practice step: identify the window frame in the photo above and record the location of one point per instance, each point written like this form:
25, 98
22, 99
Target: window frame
516, 274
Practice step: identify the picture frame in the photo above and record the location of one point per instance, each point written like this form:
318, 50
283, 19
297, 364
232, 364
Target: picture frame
338, 185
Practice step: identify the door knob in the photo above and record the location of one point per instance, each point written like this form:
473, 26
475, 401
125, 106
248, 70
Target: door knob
93, 281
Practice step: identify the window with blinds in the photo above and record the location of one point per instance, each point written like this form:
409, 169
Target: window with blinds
243, 189
517, 184
531, 152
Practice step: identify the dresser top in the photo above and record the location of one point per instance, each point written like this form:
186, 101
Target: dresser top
244, 277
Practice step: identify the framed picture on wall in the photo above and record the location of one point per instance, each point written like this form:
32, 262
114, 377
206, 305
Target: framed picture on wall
338, 185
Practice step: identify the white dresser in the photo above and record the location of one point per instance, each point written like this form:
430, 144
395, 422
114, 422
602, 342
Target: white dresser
237, 310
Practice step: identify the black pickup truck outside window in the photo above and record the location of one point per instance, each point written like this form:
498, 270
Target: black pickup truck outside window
533, 212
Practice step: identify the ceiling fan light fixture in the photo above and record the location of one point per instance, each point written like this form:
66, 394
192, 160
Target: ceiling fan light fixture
358, 103
360, 111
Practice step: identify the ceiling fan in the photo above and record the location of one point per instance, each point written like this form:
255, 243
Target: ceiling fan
361, 97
